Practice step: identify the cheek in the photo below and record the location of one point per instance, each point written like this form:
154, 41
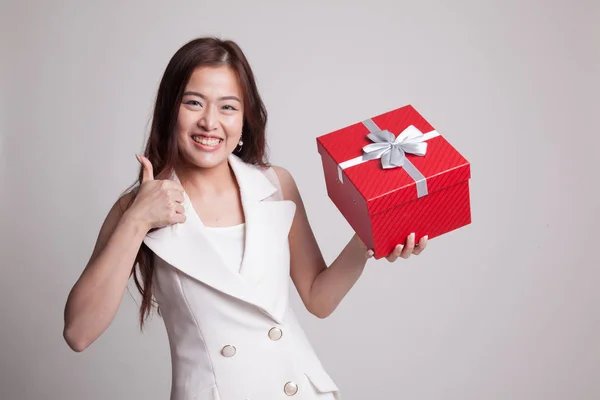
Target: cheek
234, 128
184, 124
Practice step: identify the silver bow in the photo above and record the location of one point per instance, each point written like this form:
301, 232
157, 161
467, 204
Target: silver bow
392, 150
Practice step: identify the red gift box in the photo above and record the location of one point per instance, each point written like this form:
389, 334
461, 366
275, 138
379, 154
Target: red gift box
395, 174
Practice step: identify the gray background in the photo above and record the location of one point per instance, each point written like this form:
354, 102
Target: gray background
506, 308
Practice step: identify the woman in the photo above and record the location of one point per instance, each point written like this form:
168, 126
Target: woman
217, 234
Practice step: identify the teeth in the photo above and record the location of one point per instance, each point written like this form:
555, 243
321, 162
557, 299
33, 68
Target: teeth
206, 141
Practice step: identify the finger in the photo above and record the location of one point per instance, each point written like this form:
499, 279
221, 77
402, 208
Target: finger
148, 173
179, 209
421, 246
410, 246
395, 253
172, 185
176, 196
178, 218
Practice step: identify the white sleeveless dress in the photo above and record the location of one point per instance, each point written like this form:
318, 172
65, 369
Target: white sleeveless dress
223, 294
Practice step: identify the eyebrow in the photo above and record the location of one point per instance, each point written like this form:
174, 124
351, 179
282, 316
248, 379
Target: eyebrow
191, 93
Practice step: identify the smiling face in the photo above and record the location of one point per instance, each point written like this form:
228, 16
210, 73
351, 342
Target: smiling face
211, 116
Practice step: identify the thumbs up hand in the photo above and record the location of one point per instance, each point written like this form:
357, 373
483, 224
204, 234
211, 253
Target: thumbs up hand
158, 203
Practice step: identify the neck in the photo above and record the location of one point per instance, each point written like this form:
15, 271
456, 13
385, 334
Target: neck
203, 182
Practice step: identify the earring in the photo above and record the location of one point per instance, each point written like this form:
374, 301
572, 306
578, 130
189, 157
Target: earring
240, 144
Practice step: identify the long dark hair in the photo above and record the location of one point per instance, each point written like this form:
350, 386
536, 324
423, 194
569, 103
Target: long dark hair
161, 148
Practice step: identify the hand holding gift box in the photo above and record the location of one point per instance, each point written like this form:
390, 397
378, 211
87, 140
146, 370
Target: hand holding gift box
393, 175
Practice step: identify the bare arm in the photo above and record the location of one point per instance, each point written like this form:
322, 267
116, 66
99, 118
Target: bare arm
96, 296
322, 288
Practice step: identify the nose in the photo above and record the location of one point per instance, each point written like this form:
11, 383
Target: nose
208, 120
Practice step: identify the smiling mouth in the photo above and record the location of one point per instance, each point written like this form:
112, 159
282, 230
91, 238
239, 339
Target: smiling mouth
206, 141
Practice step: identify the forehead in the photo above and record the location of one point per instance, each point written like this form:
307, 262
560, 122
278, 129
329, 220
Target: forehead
218, 79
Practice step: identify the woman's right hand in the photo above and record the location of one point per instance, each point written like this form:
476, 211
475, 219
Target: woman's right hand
158, 203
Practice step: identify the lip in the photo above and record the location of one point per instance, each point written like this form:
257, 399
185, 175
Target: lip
206, 148
206, 136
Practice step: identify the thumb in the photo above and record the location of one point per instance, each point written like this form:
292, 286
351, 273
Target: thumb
148, 174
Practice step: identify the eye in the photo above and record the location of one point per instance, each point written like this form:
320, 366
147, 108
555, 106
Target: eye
229, 108
194, 103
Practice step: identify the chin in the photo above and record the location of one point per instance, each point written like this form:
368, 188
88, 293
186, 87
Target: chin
207, 160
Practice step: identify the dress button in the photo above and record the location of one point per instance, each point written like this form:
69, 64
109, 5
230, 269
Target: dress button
228, 351
275, 334
290, 388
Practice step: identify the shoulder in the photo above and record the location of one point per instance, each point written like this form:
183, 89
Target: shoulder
112, 219
287, 182
126, 199
120, 206
284, 176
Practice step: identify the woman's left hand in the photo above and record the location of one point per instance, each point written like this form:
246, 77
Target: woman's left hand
401, 250
408, 249
405, 250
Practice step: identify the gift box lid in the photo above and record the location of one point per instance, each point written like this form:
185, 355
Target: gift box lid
442, 165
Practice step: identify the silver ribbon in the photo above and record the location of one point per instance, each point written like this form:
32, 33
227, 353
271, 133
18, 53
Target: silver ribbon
392, 151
